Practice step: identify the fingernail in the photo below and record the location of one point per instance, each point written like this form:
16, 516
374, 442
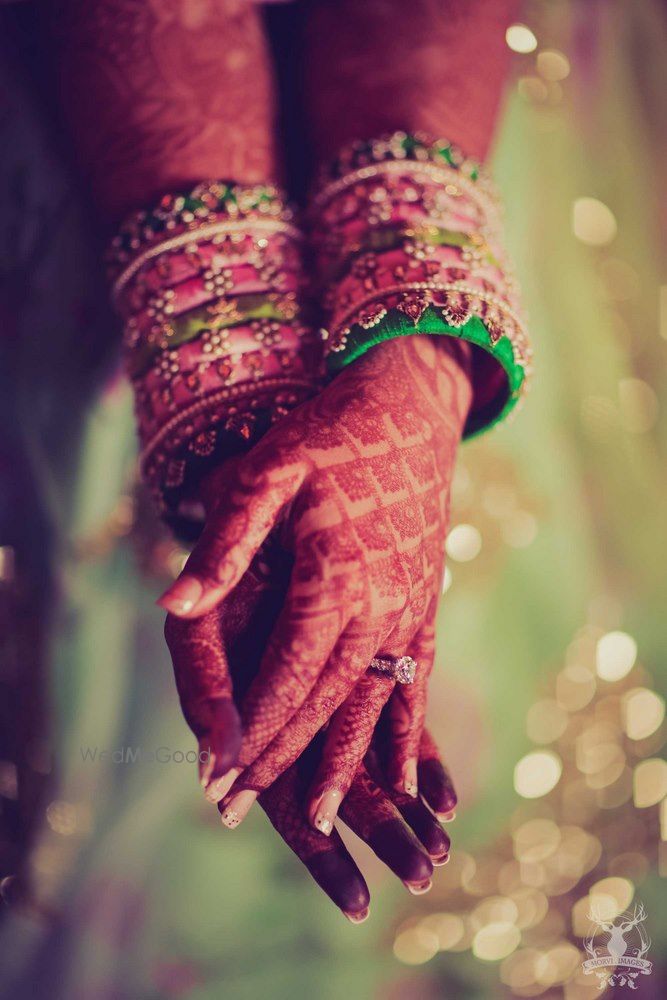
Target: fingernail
447, 817
182, 596
238, 807
410, 784
419, 888
358, 918
218, 788
325, 810
442, 860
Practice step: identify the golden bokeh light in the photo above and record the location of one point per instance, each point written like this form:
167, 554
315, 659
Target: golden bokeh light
415, 945
596, 748
643, 713
464, 542
513, 904
528, 971
615, 656
650, 782
532, 907
493, 910
593, 222
610, 897
449, 928
496, 941
537, 774
520, 38
553, 65
558, 964
536, 840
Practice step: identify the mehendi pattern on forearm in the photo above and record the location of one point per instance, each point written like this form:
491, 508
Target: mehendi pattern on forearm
160, 94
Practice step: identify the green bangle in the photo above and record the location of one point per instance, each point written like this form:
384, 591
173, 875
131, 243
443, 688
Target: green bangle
397, 324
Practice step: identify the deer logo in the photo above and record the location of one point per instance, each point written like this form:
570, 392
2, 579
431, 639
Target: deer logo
625, 959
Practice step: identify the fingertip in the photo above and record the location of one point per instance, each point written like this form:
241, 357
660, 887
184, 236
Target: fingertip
406, 779
218, 787
182, 597
420, 888
360, 917
427, 829
447, 817
396, 845
337, 874
439, 862
436, 787
324, 810
235, 808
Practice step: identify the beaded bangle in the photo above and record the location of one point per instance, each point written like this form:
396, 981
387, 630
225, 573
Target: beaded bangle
216, 341
408, 239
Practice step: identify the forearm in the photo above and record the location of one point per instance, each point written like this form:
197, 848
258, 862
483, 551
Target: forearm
162, 95
171, 109
437, 66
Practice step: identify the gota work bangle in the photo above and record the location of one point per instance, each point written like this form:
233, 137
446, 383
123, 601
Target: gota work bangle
407, 234
216, 338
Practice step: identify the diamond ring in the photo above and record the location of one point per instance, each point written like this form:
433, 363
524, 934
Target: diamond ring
401, 668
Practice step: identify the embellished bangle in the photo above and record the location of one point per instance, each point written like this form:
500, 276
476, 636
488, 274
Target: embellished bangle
217, 341
407, 234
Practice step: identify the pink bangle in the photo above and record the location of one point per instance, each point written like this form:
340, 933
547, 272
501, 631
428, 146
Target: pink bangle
408, 239
216, 344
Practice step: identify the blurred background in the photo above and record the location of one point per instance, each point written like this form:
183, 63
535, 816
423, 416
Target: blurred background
548, 697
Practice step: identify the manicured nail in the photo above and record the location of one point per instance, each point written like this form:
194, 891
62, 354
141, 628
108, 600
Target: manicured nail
217, 789
419, 888
324, 811
410, 783
237, 807
182, 596
358, 918
447, 817
439, 862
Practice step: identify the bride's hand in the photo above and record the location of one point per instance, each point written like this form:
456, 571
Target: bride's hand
360, 478
401, 830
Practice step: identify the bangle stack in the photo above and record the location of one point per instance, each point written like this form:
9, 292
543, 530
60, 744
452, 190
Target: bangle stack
408, 239
216, 343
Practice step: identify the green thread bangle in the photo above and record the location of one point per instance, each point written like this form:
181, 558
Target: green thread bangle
395, 324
